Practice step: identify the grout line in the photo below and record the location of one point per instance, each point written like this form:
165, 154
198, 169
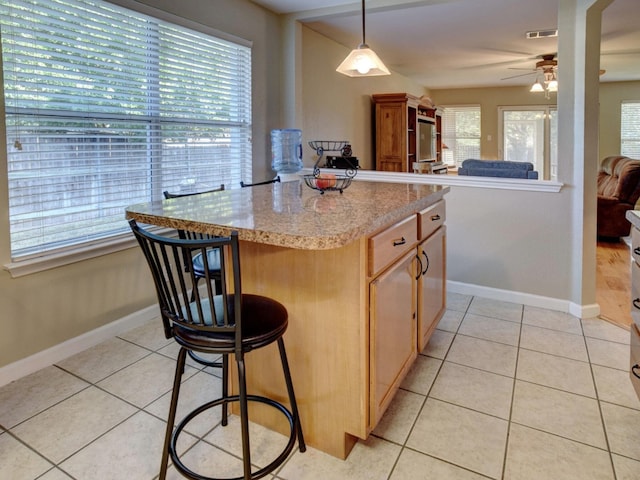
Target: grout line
513, 394
598, 401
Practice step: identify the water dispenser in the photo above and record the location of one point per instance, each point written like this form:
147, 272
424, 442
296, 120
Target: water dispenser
286, 152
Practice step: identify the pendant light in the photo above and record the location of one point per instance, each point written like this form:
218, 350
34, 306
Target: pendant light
362, 61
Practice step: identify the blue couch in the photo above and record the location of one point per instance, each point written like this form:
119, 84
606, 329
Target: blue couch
498, 168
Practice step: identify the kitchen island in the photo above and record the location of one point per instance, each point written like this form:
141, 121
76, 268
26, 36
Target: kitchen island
362, 275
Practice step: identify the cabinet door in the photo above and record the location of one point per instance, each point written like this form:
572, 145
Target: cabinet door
634, 373
393, 332
431, 285
391, 137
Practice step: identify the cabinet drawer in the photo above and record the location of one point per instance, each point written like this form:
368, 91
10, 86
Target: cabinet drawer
431, 219
634, 358
635, 244
635, 288
390, 244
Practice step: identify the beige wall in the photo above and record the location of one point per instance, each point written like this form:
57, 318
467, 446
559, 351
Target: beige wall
489, 100
44, 309
508, 240
502, 240
611, 94
337, 107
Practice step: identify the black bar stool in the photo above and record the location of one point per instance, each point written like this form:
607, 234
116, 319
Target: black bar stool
228, 322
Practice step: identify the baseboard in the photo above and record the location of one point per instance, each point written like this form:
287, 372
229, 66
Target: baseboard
50, 356
59, 352
580, 311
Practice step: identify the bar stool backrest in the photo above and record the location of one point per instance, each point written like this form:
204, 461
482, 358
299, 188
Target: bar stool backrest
266, 182
181, 304
168, 194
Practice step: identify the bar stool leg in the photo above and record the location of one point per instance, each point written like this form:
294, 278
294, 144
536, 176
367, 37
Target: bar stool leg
292, 398
244, 415
225, 387
173, 407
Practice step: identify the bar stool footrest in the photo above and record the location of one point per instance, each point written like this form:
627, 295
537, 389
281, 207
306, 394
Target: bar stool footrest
220, 401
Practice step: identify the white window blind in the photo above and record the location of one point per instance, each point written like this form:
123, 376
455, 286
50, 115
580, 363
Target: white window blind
630, 129
460, 133
107, 107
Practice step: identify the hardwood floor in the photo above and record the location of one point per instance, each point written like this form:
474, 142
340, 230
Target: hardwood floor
613, 282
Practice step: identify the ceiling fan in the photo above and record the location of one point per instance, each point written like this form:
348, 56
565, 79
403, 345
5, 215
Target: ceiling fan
547, 66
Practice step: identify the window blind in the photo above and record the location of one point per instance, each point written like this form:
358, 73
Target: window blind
460, 133
107, 107
630, 129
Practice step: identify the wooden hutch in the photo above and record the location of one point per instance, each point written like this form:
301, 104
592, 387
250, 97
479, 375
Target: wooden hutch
400, 122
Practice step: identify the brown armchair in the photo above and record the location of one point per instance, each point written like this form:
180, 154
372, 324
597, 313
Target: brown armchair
618, 191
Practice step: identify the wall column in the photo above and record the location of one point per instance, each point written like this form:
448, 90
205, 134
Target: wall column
579, 25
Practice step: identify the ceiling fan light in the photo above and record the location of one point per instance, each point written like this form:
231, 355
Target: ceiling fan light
362, 62
552, 86
537, 87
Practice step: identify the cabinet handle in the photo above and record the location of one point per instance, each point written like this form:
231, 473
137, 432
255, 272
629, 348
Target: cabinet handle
402, 241
435, 217
636, 303
419, 267
427, 259
635, 369
636, 250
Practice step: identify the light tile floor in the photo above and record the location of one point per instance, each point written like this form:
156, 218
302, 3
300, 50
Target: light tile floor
502, 391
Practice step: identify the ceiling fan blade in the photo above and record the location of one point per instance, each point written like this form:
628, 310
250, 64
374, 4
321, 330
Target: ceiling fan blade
519, 75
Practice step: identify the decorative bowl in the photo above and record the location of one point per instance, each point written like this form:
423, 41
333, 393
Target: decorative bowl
327, 182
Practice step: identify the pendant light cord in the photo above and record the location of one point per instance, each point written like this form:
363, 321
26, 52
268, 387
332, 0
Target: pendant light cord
363, 27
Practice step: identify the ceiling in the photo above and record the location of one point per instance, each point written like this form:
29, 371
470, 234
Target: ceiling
466, 43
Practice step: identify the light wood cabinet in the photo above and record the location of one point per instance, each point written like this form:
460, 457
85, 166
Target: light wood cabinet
393, 332
431, 285
431, 276
406, 300
397, 131
634, 353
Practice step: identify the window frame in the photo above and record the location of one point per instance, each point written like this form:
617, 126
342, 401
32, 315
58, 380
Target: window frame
111, 243
626, 139
476, 106
548, 164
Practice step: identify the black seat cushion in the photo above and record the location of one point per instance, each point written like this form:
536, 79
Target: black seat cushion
264, 320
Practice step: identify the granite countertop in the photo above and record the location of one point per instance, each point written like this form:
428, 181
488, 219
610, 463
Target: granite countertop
290, 214
634, 217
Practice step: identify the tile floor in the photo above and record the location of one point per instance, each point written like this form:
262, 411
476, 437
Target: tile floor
502, 391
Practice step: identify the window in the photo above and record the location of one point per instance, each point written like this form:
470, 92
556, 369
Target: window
530, 134
107, 107
460, 133
630, 129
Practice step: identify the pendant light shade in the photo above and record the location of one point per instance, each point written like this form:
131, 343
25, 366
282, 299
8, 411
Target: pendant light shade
362, 61
548, 84
537, 87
